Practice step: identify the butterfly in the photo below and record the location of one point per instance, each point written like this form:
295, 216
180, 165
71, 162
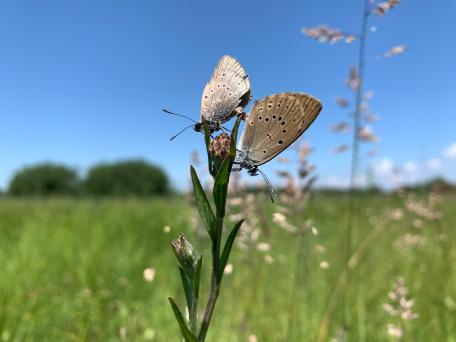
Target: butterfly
225, 95
273, 124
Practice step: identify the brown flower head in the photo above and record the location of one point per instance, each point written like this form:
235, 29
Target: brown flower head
220, 146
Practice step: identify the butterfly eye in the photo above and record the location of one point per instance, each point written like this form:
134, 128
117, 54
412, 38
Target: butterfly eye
274, 117
260, 118
251, 122
269, 105
266, 119
283, 123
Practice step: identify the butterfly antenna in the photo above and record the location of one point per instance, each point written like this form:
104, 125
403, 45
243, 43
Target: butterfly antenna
268, 185
182, 116
180, 132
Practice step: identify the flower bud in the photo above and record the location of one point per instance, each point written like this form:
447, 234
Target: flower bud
184, 254
220, 146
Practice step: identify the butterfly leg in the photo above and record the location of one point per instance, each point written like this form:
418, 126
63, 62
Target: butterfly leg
240, 112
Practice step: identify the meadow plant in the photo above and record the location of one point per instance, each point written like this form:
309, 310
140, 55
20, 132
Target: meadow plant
221, 153
289, 214
248, 205
360, 112
400, 308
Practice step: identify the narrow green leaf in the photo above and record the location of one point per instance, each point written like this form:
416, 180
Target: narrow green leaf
188, 336
220, 189
227, 249
204, 207
186, 286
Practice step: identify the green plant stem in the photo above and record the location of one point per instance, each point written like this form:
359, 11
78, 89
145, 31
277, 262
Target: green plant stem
355, 144
215, 284
193, 311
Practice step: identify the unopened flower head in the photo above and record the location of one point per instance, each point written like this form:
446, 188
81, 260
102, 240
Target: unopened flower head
220, 146
184, 253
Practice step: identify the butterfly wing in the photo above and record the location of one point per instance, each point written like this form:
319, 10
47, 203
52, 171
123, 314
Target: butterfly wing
275, 122
228, 88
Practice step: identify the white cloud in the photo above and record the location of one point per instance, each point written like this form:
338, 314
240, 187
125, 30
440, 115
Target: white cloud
410, 167
434, 164
336, 182
450, 151
384, 166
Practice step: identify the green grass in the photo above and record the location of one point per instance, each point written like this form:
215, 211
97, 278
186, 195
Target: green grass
72, 270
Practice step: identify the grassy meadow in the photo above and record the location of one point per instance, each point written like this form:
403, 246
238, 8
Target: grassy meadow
72, 270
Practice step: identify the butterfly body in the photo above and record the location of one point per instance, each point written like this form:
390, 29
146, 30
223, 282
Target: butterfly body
244, 161
213, 126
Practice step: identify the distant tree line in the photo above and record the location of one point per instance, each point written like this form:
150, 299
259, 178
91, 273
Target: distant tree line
120, 179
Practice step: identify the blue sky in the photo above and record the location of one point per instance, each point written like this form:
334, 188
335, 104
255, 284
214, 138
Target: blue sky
84, 81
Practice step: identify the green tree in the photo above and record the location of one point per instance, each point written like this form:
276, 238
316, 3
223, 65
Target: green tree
126, 178
45, 179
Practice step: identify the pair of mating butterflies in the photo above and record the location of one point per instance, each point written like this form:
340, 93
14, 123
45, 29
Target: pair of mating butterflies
273, 124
